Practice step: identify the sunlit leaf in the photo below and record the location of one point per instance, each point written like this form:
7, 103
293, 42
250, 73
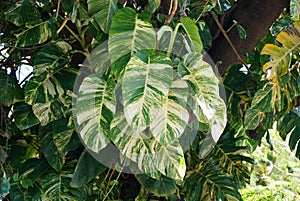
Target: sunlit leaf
129, 33
279, 63
206, 88
146, 151
103, 12
95, 107
145, 85
192, 31
170, 122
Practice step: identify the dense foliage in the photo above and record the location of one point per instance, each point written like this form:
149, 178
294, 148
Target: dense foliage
128, 83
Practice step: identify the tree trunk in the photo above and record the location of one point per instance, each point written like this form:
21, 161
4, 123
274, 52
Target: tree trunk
256, 16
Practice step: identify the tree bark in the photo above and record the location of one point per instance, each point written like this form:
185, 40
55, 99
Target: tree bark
256, 16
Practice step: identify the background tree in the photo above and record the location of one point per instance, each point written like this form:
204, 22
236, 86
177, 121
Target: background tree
106, 68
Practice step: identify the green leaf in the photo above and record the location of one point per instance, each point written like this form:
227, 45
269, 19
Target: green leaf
24, 116
206, 88
145, 85
33, 35
87, 169
163, 186
169, 124
209, 182
100, 58
192, 31
95, 107
10, 91
52, 58
143, 149
62, 134
103, 12
153, 6
129, 33
54, 157
279, 63
56, 185
205, 34
48, 112
262, 103
24, 12
290, 125
47, 96
242, 32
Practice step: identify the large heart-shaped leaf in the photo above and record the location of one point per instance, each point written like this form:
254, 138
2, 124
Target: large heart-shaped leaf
149, 155
94, 111
170, 122
129, 33
103, 12
146, 82
206, 88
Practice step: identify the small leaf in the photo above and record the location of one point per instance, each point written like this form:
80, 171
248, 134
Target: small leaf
62, 134
24, 116
52, 58
23, 12
86, 162
153, 6
242, 32
56, 185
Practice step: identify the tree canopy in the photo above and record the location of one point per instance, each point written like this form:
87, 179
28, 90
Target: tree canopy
143, 100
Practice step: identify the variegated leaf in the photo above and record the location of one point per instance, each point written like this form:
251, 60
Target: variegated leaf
95, 107
172, 118
145, 85
143, 149
206, 87
129, 33
103, 12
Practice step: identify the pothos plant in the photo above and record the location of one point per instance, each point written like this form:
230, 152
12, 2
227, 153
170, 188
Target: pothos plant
120, 74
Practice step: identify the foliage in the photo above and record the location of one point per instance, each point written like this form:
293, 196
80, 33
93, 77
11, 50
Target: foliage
114, 74
272, 178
